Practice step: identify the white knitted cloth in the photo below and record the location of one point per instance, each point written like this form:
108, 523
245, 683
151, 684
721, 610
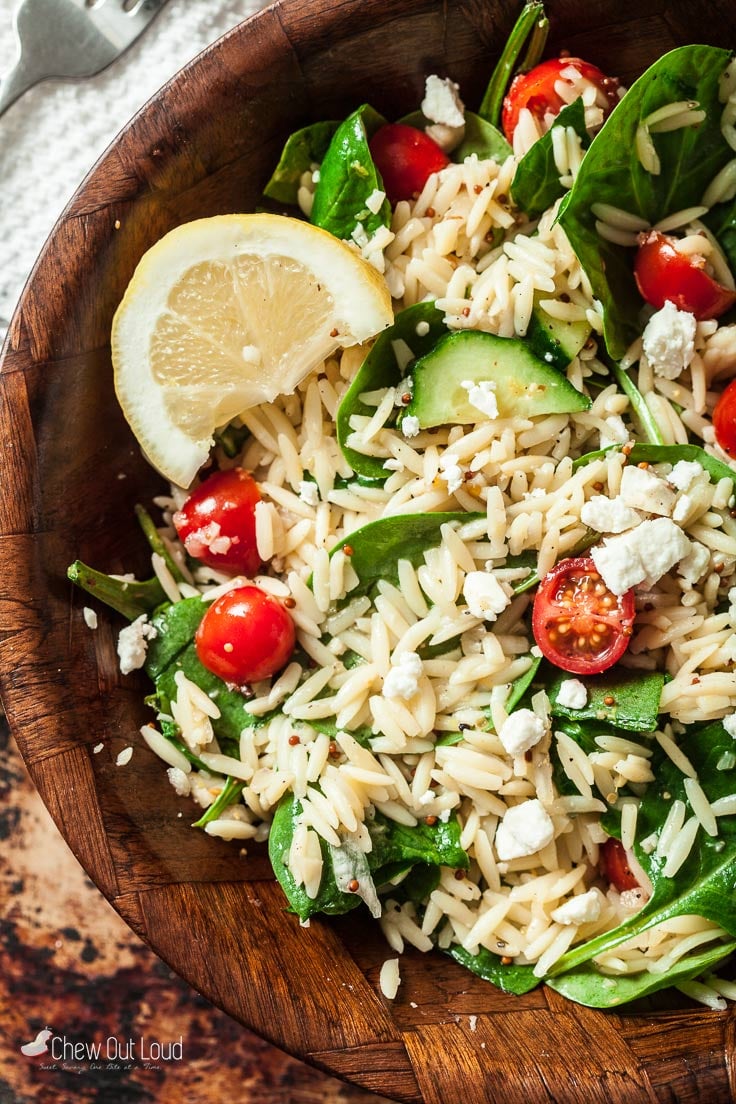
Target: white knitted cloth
53, 135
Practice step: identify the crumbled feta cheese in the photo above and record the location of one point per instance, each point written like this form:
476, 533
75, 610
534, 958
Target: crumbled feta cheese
442, 103
484, 595
729, 723
684, 474
481, 396
208, 538
643, 555
375, 200
90, 617
668, 341
410, 425
583, 909
402, 680
615, 432
133, 643
572, 694
694, 565
309, 492
393, 465
179, 780
521, 731
608, 515
124, 757
525, 829
452, 472
641, 489
685, 506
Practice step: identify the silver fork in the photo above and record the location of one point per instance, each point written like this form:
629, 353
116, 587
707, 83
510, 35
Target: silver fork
72, 38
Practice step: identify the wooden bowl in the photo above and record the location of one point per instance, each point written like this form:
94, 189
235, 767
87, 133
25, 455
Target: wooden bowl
71, 474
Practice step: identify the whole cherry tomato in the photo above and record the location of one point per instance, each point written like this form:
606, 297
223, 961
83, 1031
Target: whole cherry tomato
663, 274
578, 623
614, 865
217, 523
536, 91
406, 158
245, 635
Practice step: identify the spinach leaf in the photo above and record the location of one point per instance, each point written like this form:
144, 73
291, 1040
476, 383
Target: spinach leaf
627, 700
175, 627
489, 966
666, 454
396, 848
520, 685
421, 880
303, 148
536, 184
721, 221
131, 599
612, 173
380, 369
587, 985
704, 883
530, 30
348, 177
156, 542
378, 546
482, 139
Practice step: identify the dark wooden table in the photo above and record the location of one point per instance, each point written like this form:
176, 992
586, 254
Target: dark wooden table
67, 961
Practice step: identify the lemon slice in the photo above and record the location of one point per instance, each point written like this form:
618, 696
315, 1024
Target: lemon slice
227, 312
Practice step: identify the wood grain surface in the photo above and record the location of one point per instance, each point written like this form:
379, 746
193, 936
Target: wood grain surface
71, 475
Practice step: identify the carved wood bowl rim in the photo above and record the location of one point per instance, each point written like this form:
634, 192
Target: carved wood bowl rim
217, 919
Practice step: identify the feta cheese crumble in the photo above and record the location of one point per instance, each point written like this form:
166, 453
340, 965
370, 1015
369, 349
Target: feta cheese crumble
583, 909
309, 492
684, 474
90, 617
133, 643
452, 472
481, 396
643, 555
572, 694
521, 731
410, 425
445, 110
484, 595
402, 680
525, 829
641, 489
668, 341
608, 515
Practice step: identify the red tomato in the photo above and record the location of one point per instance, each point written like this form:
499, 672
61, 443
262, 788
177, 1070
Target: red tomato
578, 623
614, 865
724, 420
217, 523
406, 158
536, 91
662, 274
245, 635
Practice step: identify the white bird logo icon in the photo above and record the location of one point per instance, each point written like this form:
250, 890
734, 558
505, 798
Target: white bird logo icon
38, 1046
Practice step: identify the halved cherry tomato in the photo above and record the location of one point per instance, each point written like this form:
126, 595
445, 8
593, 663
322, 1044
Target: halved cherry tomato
217, 523
406, 158
662, 274
536, 91
614, 865
578, 623
245, 635
724, 420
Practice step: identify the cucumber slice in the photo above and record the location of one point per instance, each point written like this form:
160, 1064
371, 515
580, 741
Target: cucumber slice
524, 385
556, 342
